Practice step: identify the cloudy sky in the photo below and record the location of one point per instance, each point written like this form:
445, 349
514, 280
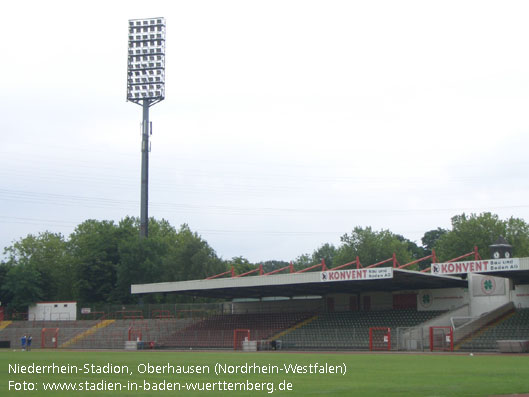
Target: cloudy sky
285, 124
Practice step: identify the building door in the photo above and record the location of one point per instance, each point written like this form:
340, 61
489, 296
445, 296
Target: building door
404, 301
46, 313
353, 303
330, 305
367, 303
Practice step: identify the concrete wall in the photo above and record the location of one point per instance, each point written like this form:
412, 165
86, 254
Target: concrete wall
486, 318
341, 302
488, 293
418, 338
520, 296
442, 299
380, 300
445, 319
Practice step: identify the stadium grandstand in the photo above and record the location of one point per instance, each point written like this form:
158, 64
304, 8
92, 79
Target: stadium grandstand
466, 304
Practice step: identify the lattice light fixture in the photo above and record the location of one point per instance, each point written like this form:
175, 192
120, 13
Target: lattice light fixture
146, 60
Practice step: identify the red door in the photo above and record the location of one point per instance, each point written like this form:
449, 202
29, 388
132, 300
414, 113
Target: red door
367, 303
353, 303
330, 305
404, 301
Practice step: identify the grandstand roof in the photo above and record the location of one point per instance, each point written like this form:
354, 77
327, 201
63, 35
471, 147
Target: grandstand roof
309, 283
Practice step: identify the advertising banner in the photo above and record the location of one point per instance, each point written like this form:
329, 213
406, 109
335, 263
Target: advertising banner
479, 266
357, 274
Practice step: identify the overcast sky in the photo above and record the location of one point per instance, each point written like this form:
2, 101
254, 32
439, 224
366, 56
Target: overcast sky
285, 124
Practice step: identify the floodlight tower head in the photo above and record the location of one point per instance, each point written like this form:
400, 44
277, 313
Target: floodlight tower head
146, 61
145, 87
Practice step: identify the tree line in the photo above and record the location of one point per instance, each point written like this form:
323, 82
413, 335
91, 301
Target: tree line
99, 261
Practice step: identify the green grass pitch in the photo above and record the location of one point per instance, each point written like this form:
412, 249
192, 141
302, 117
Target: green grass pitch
365, 374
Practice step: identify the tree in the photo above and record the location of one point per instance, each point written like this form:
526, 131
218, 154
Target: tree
191, 258
240, 265
269, 266
23, 284
302, 261
482, 231
415, 251
7, 295
140, 262
326, 252
429, 240
45, 255
95, 251
372, 247
517, 234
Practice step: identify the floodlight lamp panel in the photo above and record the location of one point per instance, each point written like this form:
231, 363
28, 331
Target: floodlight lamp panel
146, 60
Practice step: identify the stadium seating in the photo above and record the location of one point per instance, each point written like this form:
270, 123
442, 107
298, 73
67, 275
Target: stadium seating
514, 326
111, 336
217, 331
296, 331
350, 330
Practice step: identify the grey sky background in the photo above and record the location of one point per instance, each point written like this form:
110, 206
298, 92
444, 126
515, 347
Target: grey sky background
285, 124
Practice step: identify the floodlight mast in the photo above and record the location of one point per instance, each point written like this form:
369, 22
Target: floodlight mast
146, 87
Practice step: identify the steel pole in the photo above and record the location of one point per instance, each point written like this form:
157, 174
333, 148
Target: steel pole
144, 210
